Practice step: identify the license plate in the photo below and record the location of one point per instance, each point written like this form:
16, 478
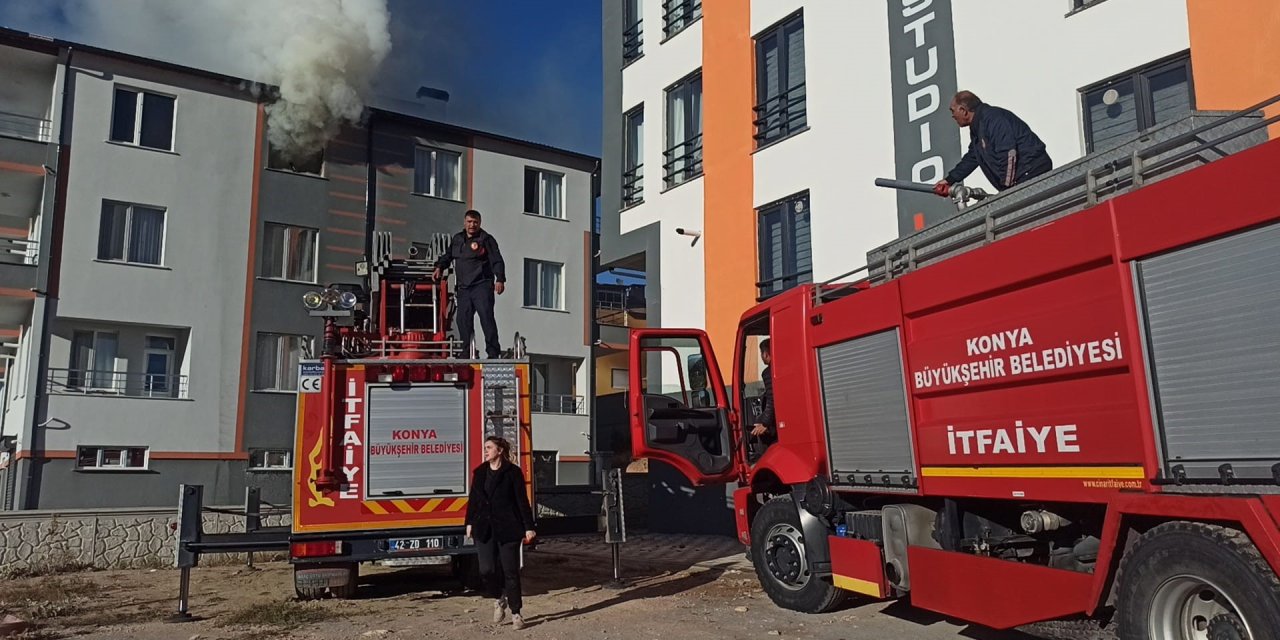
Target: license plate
415, 544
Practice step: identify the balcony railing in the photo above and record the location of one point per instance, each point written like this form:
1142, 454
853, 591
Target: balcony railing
781, 115
632, 42
555, 403
16, 125
633, 186
116, 383
614, 308
678, 14
19, 251
682, 162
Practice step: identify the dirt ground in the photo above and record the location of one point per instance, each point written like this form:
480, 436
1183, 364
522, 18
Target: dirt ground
674, 592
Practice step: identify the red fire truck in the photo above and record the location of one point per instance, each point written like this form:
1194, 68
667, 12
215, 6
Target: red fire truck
1060, 403
391, 420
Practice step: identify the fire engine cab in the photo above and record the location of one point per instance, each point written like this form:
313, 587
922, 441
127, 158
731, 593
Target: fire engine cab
391, 419
1060, 403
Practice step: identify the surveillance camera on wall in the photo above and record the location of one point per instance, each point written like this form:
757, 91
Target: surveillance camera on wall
689, 232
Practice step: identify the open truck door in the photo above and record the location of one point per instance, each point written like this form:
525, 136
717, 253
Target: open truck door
678, 407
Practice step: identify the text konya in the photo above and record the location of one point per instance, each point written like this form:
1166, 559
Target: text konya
998, 365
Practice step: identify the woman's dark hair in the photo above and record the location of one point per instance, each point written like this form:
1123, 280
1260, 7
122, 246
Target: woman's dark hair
504, 447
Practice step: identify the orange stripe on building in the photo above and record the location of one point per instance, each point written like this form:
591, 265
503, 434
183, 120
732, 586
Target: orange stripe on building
345, 232
348, 250
346, 214
728, 87
341, 267
245, 333
1235, 54
7, 292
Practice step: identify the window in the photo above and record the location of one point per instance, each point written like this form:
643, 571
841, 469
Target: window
436, 173
1120, 107
289, 253
119, 458
277, 365
682, 160
543, 193
618, 378
131, 233
632, 35
93, 361
270, 459
633, 157
780, 90
678, 14
312, 163
158, 358
542, 284
785, 256
141, 118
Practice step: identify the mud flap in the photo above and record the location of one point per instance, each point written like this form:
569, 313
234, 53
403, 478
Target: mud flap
816, 547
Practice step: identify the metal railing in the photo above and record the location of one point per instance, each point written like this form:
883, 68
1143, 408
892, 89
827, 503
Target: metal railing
557, 403
781, 115
15, 125
117, 383
682, 162
19, 251
633, 42
774, 286
613, 308
1058, 194
678, 14
633, 186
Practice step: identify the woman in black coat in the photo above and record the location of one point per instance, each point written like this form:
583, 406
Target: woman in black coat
499, 520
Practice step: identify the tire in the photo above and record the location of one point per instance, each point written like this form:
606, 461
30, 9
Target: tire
466, 569
1187, 580
777, 551
344, 592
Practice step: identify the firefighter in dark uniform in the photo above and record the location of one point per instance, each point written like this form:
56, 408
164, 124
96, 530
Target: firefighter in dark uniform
481, 273
765, 429
1006, 149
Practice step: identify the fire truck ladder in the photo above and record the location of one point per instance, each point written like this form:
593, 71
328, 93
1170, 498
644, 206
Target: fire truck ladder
1144, 158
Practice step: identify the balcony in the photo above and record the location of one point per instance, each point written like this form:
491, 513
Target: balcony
16, 125
633, 186
781, 116
632, 42
620, 308
558, 404
117, 384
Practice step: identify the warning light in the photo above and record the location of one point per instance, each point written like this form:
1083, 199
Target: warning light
918, 219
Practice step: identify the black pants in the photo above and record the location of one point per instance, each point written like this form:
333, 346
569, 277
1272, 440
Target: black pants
472, 300
500, 570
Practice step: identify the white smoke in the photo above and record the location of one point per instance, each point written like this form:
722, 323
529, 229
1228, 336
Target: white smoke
322, 54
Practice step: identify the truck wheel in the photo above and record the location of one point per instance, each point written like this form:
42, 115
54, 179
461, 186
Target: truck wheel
1193, 581
778, 552
467, 570
348, 590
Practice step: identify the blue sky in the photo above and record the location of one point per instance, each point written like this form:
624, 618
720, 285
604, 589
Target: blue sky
530, 70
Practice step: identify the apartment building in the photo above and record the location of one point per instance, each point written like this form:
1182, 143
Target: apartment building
742, 137
154, 249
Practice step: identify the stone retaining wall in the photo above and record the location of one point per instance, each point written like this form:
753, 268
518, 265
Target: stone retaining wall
45, 541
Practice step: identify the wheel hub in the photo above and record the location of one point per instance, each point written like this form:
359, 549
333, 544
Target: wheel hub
1191, 608
784, 557
1227, 627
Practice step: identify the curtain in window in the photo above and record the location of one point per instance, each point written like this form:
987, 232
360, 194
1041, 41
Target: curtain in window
111, 231
266, 362
770, 84
146, 235
550, 290
302, 255
104, 362
81, 359
422, 170
551, 195
446, 175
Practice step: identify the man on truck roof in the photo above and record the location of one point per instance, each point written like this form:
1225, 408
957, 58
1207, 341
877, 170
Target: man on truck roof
1006, 149
481, 274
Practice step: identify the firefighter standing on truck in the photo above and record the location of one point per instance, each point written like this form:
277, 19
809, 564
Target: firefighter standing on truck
481, 273
1006, 149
